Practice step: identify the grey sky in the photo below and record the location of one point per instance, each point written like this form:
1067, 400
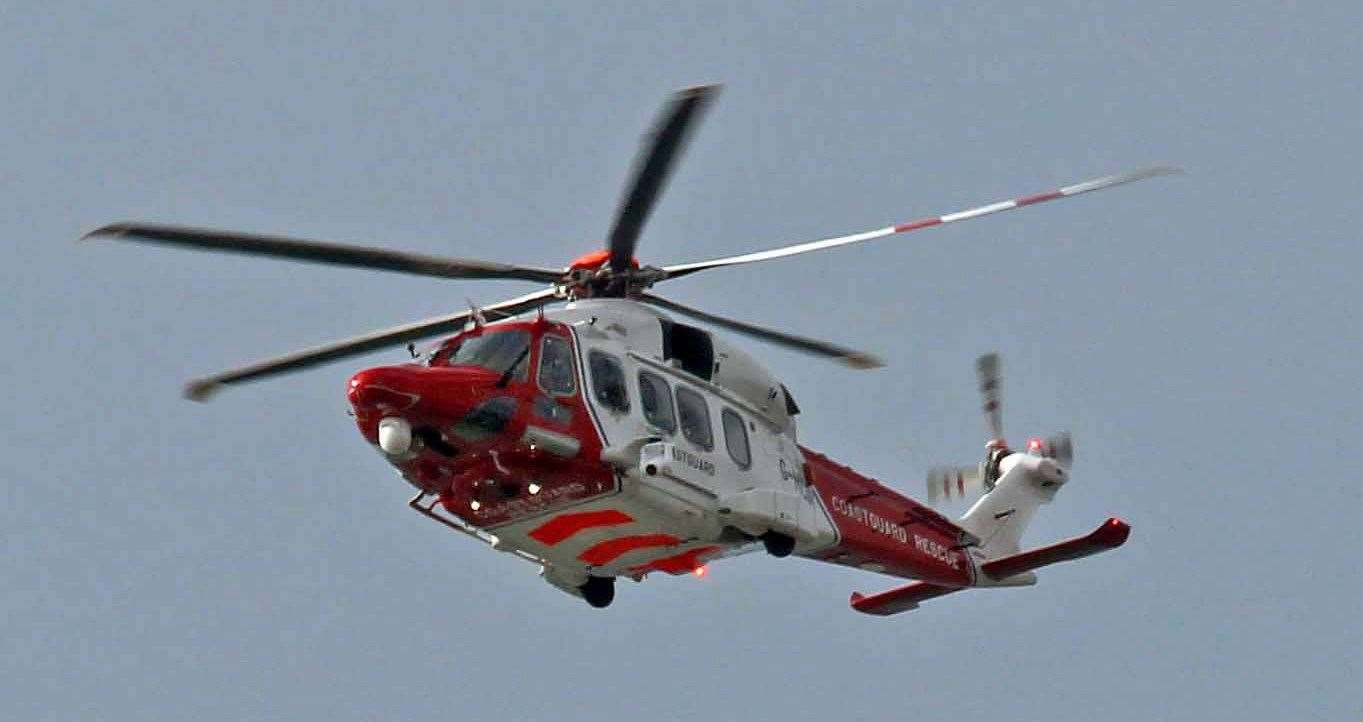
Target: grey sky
253, 559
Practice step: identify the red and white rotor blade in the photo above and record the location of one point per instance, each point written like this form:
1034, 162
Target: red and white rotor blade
948, 483
1008, 205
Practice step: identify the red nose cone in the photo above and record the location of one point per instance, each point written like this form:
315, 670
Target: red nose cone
387, 388
441, 393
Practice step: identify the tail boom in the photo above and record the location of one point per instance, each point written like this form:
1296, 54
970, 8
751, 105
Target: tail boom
884, 531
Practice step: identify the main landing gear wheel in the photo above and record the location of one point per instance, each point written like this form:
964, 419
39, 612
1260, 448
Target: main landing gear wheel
599, 591
778, 544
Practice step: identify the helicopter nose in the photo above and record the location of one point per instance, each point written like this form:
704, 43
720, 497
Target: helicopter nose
391, 389
434, 395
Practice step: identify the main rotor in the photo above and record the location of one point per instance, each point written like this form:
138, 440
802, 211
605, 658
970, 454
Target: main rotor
612, 272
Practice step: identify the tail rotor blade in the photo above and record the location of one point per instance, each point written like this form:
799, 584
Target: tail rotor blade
987, 368
1061, 448
948, 483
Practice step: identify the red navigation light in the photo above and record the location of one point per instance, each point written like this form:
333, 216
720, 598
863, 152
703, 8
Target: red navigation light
1034, 445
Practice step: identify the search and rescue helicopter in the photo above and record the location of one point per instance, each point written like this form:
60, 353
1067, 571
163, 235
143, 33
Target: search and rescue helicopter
604, 439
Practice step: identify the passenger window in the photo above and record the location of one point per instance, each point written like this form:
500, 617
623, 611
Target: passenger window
608, 381
656, 399
736, 438
694, 416
556, 366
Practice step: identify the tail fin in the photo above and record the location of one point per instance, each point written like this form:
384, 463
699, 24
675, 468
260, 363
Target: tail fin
1000, 517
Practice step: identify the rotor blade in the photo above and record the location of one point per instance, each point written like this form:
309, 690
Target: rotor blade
954, 482
652, 167
200, 389
1061, 448
320, 252
851, 357
987, 368
1072, 190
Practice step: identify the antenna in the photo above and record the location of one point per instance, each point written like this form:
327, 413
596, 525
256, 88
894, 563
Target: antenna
476, 313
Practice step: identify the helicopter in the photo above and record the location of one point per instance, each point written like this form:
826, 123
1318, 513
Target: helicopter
582, 427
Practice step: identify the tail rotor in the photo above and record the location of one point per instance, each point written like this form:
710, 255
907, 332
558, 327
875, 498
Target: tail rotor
946, 483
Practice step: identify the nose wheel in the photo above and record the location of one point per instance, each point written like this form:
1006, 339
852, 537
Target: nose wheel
599, 591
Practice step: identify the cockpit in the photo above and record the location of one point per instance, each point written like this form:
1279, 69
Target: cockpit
501, 351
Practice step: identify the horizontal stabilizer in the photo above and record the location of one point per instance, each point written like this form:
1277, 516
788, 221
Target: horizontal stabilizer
898, 600
1110, 535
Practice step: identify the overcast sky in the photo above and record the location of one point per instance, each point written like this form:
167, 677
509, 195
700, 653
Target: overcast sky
252, 558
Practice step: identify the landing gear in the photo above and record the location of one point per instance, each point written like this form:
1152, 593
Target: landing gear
598, 591
778, 544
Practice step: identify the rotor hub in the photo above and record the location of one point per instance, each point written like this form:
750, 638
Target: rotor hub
591, 276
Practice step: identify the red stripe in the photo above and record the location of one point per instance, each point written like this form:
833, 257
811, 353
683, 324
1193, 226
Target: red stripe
1029, 200
610, 549
682, 563
915, 225
565, 525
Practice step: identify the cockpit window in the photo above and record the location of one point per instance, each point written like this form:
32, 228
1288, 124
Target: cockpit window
495, 351
608, 381
556, 366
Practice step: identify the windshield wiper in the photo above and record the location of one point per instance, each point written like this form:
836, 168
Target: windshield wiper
506, 375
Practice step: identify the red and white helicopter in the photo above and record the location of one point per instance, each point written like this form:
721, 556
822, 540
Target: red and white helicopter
603, 439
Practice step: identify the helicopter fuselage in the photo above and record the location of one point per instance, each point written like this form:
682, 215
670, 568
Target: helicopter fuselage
603, 439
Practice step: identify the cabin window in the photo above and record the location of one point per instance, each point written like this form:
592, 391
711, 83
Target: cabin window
690, 347
608, 381
656, 399
556, 366
694, 416
736, 438
495, 351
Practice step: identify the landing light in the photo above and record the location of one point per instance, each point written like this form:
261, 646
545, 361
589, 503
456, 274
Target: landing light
701, 571
533, 488
474, 505
395, 436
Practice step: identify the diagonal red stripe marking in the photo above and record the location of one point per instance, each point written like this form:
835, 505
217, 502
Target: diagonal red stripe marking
565, 525
1029, 200
682, 563
915, 225
610, 549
